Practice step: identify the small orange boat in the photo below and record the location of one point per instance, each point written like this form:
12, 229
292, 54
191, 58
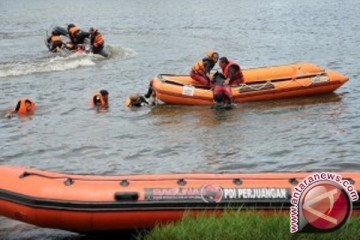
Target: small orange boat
266, 83
83, 203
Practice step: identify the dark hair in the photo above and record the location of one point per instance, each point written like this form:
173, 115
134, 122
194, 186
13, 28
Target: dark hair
104, 92
27, 101
70, 26
224, 59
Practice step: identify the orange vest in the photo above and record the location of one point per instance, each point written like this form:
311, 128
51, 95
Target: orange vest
199, 67
238, 75
22, 110
102, 101
98, 41
55, 39
73, 31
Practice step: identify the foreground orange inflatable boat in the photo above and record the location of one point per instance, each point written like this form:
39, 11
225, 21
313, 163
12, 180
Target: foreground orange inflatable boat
294, 80
83, 203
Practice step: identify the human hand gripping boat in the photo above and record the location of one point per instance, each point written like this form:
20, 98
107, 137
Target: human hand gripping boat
84, 203
265, 83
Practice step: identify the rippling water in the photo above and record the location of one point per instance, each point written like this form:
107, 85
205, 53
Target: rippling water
151, 37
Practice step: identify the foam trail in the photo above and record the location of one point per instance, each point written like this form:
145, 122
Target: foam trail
45, 65
60, 63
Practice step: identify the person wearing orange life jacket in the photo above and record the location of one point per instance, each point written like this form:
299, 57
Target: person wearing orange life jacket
96, 40
100, 99
200, 72
77, 36
24, 107
232, 72
55, 42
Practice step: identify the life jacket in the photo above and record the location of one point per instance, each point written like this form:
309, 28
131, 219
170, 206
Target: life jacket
22, 110
73, 31
102, 100
97, 40
55, 39
199, 67
238, 75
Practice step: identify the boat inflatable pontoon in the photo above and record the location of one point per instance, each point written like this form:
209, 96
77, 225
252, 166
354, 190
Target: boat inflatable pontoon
266, 83
84, 203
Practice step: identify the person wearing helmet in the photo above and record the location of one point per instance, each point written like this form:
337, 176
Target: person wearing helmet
77, 36
232, 72
200, 72
55, 41
96, 40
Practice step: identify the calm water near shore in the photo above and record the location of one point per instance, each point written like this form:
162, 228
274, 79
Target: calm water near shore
150, 37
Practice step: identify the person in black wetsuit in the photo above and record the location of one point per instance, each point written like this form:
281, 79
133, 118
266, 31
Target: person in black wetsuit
137, 100
222, 90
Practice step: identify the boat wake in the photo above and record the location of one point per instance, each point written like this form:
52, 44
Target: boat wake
60, 63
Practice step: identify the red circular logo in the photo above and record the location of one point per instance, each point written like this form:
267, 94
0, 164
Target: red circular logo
325, 206
211, 193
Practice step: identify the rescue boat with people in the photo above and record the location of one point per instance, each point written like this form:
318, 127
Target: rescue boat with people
265, 83
64, 35
85, 203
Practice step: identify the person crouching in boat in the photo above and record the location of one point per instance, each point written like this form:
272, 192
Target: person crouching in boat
77, 36
200, 72
24, 107
232, 72
100, 99
222, 90
97, 41
55, 42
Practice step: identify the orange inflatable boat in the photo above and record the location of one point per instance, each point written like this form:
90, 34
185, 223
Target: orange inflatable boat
294, 80
84, 203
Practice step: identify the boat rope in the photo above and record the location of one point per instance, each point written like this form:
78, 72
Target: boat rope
26, 174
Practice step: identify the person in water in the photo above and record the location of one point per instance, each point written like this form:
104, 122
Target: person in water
96, 40
136, 100
232, 72
200, 72
222, 90
24, 107
100, 99
77, 36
